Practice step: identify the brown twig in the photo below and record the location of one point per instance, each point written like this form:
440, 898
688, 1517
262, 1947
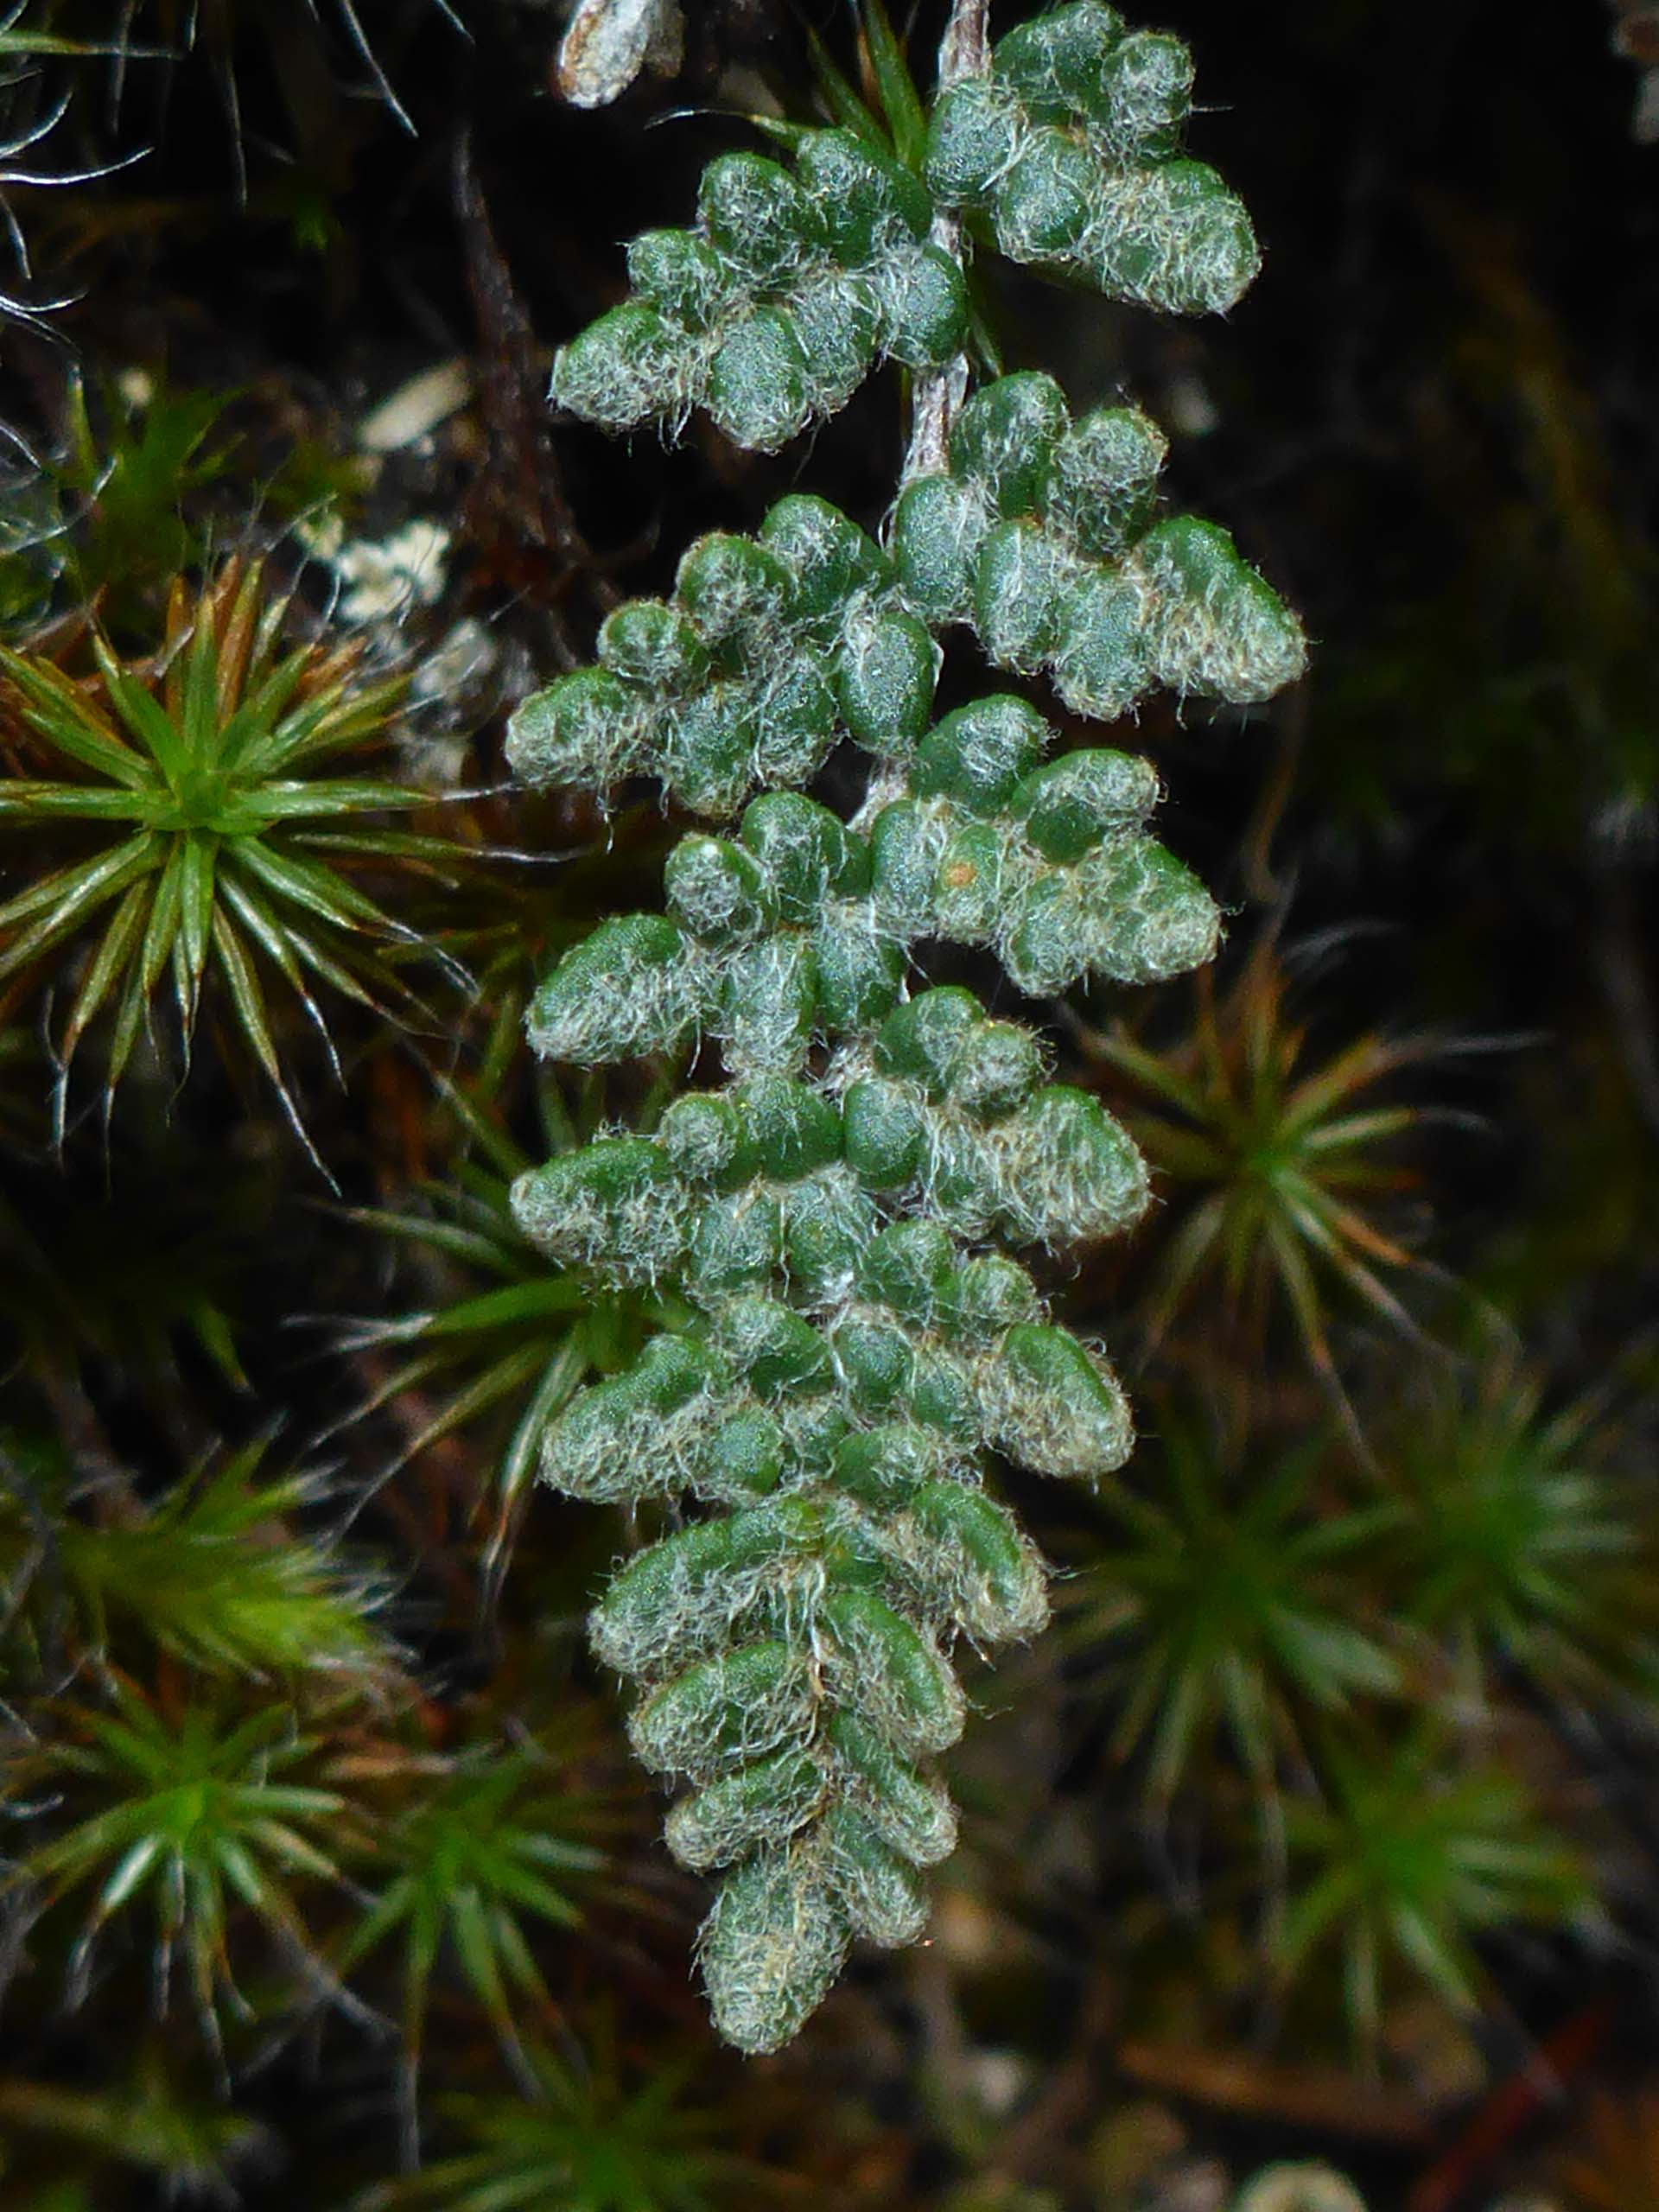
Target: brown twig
1540, 2083
1319, 2100
517, 504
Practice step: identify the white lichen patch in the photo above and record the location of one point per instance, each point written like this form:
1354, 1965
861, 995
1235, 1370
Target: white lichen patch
608, 42
382, 579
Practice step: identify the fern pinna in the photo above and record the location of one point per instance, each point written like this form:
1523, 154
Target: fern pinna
839, 1215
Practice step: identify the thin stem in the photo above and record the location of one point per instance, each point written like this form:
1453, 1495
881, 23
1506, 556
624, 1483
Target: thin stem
964, 52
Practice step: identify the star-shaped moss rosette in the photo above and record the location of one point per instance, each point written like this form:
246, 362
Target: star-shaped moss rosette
187, 1817
211, 845
1415, 1850
1070, 149
775, 308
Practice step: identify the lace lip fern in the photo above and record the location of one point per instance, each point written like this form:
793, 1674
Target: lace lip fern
838, 1218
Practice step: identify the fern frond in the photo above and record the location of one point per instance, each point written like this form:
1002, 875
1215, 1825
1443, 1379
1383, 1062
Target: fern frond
840, 1218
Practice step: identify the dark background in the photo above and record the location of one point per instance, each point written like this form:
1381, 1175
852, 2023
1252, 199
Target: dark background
1434, 424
